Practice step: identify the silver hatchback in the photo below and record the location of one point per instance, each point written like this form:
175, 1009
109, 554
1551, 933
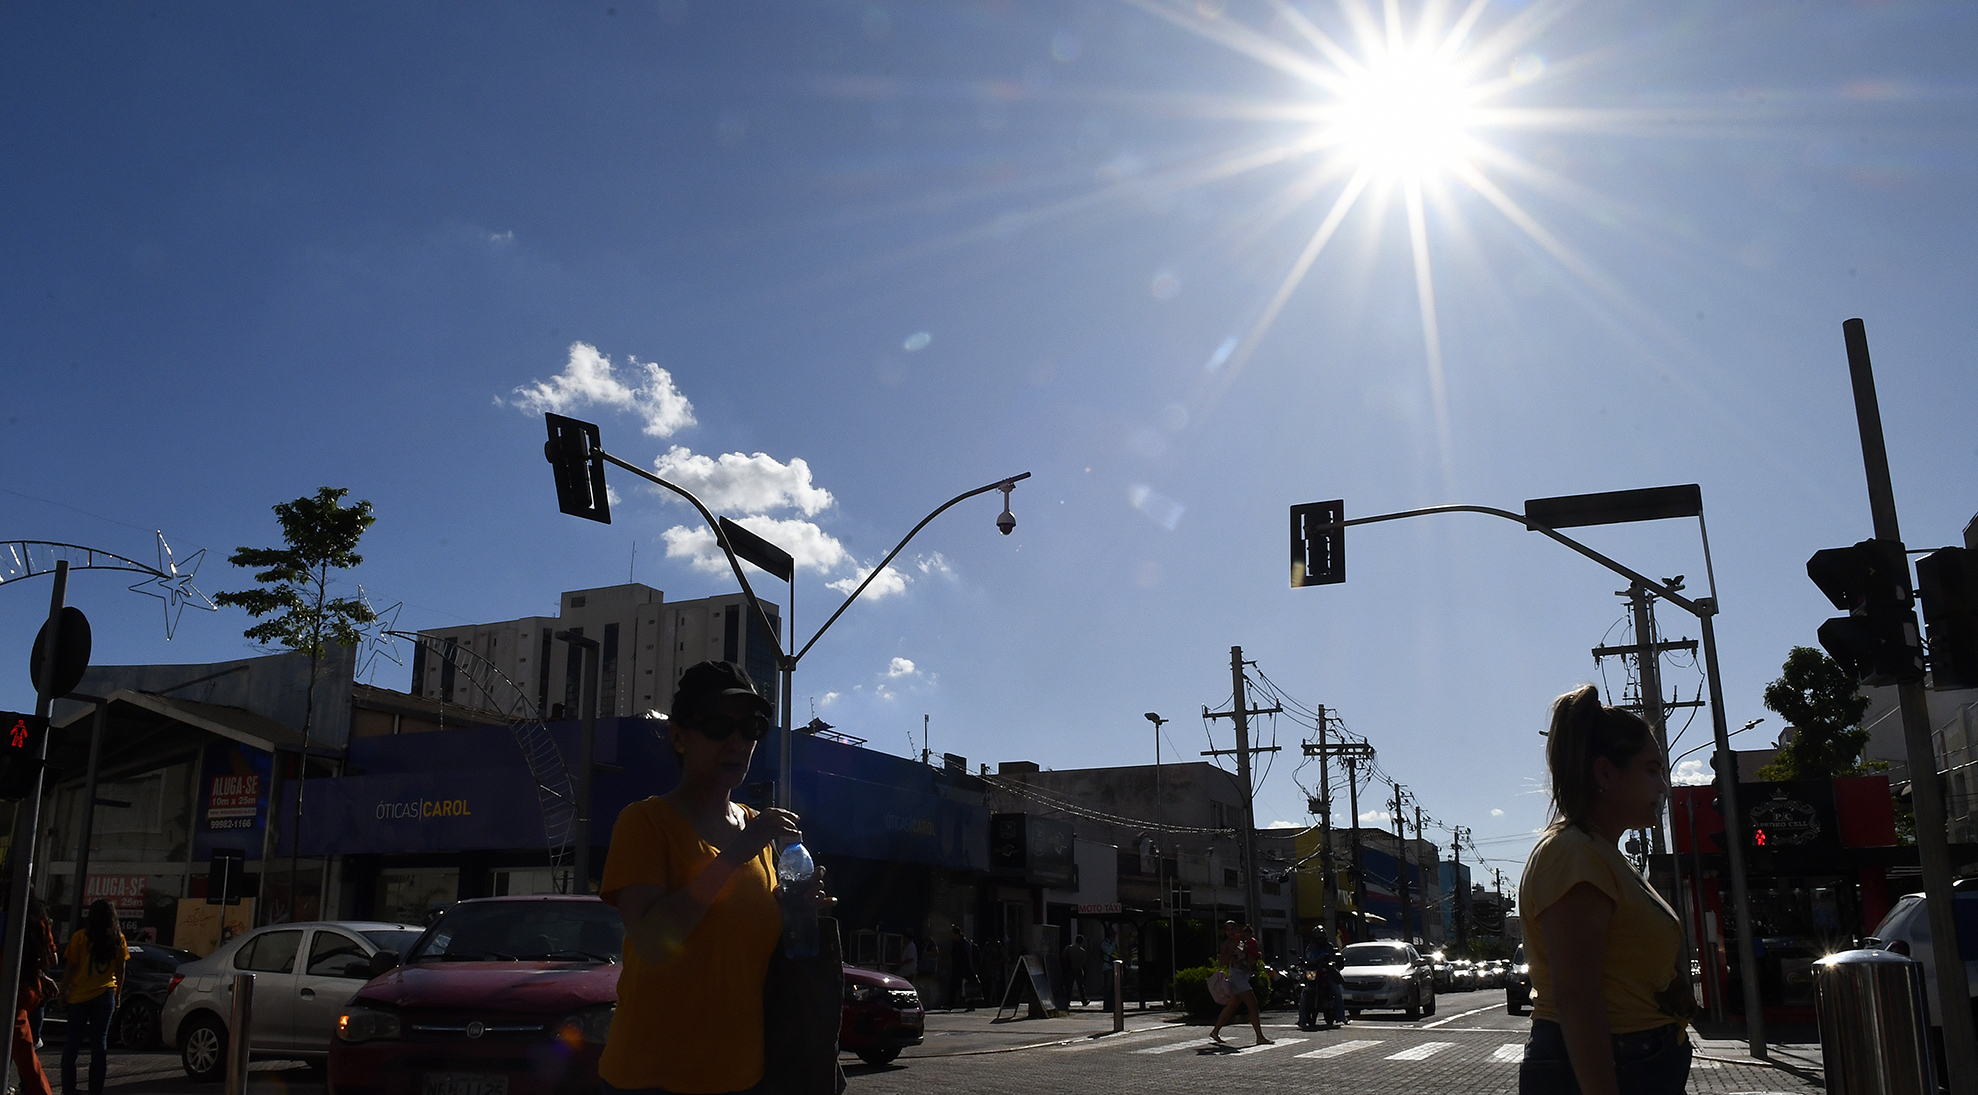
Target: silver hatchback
303, 976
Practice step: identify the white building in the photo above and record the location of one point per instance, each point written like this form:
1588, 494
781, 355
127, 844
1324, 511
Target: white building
645, 644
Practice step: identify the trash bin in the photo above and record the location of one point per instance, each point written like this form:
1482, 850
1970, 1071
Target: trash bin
1874, 1031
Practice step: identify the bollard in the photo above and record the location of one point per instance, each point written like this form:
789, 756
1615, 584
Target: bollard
237, 1033
1119, 996
1873, 1027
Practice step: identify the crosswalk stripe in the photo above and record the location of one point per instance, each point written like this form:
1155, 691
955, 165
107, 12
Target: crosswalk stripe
1511, 1051
1337, 1049
1278, 1044
1191, 1043
1420, 1053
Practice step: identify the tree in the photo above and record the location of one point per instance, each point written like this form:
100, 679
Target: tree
321, 534
1822, 704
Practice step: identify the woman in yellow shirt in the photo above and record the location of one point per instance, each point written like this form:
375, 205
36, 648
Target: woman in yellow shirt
93, 967
692, 876
1609, 997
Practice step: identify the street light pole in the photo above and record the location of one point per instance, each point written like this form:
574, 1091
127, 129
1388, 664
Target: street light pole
1160, 876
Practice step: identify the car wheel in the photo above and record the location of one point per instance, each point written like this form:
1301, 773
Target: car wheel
1430, 1008
136, 1024
1414, 1009
203, 1049
879, 1056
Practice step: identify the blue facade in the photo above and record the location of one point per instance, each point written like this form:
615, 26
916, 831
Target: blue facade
468, 790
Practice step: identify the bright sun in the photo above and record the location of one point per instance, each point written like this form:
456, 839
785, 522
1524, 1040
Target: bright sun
1404, 115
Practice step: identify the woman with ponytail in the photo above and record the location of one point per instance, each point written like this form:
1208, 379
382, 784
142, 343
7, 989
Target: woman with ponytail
93, 971
1610, 999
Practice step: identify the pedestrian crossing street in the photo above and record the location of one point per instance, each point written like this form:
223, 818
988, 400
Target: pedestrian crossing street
1400, 1048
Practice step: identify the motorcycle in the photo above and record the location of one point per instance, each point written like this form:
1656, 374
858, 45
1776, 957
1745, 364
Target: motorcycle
1320, 992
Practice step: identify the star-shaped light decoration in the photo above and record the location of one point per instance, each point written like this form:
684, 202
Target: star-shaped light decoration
379, 640
173, 582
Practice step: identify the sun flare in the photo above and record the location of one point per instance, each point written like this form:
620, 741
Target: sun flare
1404, 115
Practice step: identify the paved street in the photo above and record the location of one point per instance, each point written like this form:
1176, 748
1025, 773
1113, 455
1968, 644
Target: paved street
1471, 1046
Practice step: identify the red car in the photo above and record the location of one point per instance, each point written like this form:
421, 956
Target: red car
882, 1016
503, 996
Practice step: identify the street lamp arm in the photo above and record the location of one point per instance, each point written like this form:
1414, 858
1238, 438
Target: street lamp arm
762, 617
999, 484
1658, 588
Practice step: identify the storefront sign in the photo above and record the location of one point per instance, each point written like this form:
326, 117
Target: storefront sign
448, 811
1099, 910
1039, 850
233, 799
124, 892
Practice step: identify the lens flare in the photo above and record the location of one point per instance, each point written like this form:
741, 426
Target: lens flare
1405, 115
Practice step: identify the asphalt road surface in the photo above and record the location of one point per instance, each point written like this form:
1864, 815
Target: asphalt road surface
1471, 1046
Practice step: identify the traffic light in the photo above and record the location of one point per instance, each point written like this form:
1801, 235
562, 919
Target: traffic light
1724, 762
1947, 584
576, 455
19, 764
1878, 641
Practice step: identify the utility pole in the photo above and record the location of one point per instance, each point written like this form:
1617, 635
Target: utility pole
1401, 865
1422, 871
1926, 787
1359, 876
1350, 752
1462, 893
1240, 713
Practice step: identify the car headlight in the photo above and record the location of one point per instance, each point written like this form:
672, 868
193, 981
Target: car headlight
861, 994
362, 1024
592, 1025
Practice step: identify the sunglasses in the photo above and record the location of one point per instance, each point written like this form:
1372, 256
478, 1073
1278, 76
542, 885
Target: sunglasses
718, 727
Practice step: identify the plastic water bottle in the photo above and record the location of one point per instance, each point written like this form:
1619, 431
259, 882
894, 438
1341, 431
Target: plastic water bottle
796, 873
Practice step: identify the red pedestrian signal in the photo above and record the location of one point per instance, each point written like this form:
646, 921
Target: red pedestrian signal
20, 759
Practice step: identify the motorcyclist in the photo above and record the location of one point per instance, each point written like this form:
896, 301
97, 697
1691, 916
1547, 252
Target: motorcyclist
1325, 989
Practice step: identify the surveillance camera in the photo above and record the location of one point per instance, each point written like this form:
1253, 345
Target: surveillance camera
1007, 522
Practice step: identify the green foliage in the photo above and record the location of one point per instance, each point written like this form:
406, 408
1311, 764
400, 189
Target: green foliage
321, 534
1821, 702
1191, 989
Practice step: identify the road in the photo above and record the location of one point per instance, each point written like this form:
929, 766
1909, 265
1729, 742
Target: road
1471, 1046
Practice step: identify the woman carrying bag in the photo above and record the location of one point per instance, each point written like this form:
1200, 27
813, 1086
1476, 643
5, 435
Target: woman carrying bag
705, 985
1239, 957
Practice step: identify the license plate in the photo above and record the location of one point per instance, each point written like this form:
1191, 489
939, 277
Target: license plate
463, 1083
911, 1019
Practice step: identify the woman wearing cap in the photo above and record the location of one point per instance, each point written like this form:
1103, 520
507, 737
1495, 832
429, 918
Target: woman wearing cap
693, 878
1610, 994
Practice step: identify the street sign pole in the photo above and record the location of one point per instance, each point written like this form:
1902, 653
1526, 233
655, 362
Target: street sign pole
28, 814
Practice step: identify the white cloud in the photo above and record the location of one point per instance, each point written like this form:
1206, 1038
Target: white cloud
1497, 813
1281, 824
885, 585
1694, 772
810, 547
827, 699
748, 484
900, 667
588, 379
934, 564
1380, 817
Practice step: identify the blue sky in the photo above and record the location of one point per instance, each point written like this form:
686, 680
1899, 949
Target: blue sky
904, 250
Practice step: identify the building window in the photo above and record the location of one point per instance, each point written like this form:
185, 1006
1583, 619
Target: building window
1229, 876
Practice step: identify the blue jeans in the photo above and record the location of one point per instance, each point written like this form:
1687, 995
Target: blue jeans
88, 1020
1649, 1062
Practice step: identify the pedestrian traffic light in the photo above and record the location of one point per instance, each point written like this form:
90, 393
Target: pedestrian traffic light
1724, 762
20, 738
1947, 584
576, 455
1878, 641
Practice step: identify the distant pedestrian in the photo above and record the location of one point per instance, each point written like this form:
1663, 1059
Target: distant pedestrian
1239, 957
37, 956
1074, 963
909, 960
961, 970
993, 968
92, 972
1610, 999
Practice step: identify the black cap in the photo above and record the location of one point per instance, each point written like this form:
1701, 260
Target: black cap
706, 682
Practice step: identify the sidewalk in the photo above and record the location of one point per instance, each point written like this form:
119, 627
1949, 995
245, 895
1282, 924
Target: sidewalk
955, 1033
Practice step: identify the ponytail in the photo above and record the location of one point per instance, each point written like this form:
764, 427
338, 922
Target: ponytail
1583, 731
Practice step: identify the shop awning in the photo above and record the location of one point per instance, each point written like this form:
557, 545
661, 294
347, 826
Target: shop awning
143, 729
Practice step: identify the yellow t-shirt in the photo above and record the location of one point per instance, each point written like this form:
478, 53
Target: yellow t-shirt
1643, 937
691, 1021
90, 978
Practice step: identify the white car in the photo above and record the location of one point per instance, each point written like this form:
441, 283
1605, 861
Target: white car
1388, 974
1906, 930
303, 976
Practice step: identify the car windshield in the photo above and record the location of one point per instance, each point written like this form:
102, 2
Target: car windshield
1376, 954
396, 940
496, 931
